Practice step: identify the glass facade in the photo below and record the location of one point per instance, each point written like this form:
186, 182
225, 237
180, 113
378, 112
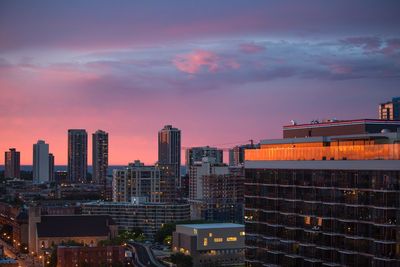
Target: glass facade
322, 217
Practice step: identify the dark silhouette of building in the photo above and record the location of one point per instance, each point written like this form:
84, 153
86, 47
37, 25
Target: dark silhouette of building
12, 165
100, 156
169, 150
77, 155
51, 168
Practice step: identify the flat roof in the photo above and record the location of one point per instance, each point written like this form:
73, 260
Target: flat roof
212, 225
341, 123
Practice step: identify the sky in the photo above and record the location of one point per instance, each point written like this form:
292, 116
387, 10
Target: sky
223, 72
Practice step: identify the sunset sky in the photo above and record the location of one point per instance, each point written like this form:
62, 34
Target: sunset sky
221, 71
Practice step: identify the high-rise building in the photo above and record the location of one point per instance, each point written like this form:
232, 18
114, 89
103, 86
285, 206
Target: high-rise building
169, 150
324, 200
216, 191
390, 110
236, 154
196, 154
12, 165
77, 155
100, 156
136, 183
51, 168
41, 162
168, 190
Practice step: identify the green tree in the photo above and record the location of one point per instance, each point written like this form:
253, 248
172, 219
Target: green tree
182, 260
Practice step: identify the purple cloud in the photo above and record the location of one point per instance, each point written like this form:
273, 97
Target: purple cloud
251, 48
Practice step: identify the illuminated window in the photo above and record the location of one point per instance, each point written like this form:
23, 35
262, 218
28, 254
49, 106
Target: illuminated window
195, 231
213, 252
205, 242
307, 220
218, 239
319, 221
242, 233
231, 239
209, 234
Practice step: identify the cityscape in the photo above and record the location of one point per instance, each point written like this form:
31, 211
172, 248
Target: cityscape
199, 134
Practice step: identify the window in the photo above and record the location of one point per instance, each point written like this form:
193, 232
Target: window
218, 239
242, 233
210, 234
205, 242
231, 239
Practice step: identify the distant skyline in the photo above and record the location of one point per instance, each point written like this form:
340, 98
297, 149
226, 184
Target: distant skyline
220, 71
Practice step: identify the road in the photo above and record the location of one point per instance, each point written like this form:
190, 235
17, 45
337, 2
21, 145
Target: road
144, 256
23, 261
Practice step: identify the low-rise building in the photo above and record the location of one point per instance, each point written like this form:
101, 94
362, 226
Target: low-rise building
220, 244
72, 256
147, 216
47, 231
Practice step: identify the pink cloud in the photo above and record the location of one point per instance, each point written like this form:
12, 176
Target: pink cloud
200, 60
251, 48
340, 69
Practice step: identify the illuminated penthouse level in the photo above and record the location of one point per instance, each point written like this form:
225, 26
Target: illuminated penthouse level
382, 146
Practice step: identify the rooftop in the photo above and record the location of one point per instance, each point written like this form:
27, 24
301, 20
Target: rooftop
74, 226
331, 123
212, 225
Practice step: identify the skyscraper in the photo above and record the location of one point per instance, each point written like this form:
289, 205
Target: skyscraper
390, 110
12, 164
51, 167
40, 162
77, 155
100, 156
169, 150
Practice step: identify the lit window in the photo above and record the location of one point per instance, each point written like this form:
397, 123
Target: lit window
231, 239
307, 220
205, 242
195, 231
209, 234
218, 239
319, 221
242, 233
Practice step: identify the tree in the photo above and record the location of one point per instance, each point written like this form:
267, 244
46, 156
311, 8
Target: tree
182, 260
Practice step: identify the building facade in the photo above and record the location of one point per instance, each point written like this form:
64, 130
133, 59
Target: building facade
51, 168
196, 154
72, 256
12, 167
324, 201
147, 216
77, 155
169, 150
100, 156
136, 182
41, 162
220, 244
390, 110
216, 191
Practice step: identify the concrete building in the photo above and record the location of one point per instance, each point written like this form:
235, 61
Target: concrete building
41, 162
325, 200
72, 256
77, 155
220, 244
136, 181
216, 191
46, 231
12, 165
168, 190
169, 150
390, 110
147, 216
339, 127
51, 168
100, 156
236, 154
196, 154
